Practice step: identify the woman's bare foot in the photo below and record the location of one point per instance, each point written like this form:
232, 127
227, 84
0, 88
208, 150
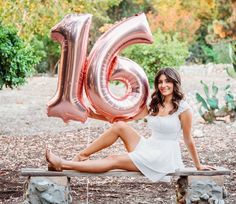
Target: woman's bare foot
54, 162
80, 157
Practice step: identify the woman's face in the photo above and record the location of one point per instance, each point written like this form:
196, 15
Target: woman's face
165, 86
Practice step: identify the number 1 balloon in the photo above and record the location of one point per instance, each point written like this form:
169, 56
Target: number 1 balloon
72, 33
102, 66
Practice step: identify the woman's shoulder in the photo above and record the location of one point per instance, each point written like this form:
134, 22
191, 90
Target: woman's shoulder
183, 106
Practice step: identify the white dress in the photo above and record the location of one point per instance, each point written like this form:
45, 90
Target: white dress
160, 154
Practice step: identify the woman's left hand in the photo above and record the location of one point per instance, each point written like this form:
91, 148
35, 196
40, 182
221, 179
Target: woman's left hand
205, 167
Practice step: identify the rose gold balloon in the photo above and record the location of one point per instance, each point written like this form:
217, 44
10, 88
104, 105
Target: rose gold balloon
72, 33
103, 66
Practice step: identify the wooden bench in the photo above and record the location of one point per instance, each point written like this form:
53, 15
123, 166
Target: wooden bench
192, 186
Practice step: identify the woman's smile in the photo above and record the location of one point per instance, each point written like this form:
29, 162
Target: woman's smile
165, 85
165, 89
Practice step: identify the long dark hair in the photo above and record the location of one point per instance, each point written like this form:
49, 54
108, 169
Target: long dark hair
157, 98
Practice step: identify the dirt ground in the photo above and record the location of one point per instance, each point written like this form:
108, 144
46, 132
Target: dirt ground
25, 129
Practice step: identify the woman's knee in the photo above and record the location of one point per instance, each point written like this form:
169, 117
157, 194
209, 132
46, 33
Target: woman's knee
121, 162
120, 126
114, 160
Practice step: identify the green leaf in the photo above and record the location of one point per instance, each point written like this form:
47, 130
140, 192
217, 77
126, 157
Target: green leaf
227, 87
200, 111
214, 89
201, 100
213, 103
229, 97
206, 89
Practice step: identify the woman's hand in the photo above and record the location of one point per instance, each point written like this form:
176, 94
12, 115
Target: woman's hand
91, 114
205, 167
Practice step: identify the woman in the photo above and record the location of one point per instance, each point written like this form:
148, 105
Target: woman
168, 116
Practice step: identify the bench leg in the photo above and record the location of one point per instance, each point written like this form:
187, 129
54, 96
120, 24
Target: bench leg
47, 190
200, 190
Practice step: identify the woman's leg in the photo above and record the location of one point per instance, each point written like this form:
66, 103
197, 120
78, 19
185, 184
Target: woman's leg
93, 166
121, 130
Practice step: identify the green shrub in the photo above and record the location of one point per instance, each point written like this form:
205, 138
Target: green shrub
38, 49
204, 53
16, 58
222, 53
209, 53
165, 51
201, 53
50, 53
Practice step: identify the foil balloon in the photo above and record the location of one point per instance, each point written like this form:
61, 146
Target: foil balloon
103, 65
92, 75
72, 33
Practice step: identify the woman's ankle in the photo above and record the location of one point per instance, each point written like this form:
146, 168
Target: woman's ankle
80, 157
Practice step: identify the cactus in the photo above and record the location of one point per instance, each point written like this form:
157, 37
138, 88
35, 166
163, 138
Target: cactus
230, 102
210, 104
232, 53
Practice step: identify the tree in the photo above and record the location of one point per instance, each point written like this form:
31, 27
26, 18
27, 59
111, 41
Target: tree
175, 20
34, 19
17, 61
225, 30
127, 8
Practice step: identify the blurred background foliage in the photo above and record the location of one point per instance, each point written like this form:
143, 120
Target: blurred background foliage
166, 51
194, 31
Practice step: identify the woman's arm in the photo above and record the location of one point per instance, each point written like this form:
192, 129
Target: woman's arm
186, 122
141, 115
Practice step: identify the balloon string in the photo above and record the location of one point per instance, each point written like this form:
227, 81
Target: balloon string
87, 201
87, 198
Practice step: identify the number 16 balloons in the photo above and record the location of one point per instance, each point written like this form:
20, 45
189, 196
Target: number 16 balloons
93, 74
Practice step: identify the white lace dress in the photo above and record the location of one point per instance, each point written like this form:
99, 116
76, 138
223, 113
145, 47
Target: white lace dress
160, 154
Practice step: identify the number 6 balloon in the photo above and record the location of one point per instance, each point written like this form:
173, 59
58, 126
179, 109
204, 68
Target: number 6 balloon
102, 66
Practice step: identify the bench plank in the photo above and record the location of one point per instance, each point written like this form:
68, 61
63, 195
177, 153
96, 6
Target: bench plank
119, 172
